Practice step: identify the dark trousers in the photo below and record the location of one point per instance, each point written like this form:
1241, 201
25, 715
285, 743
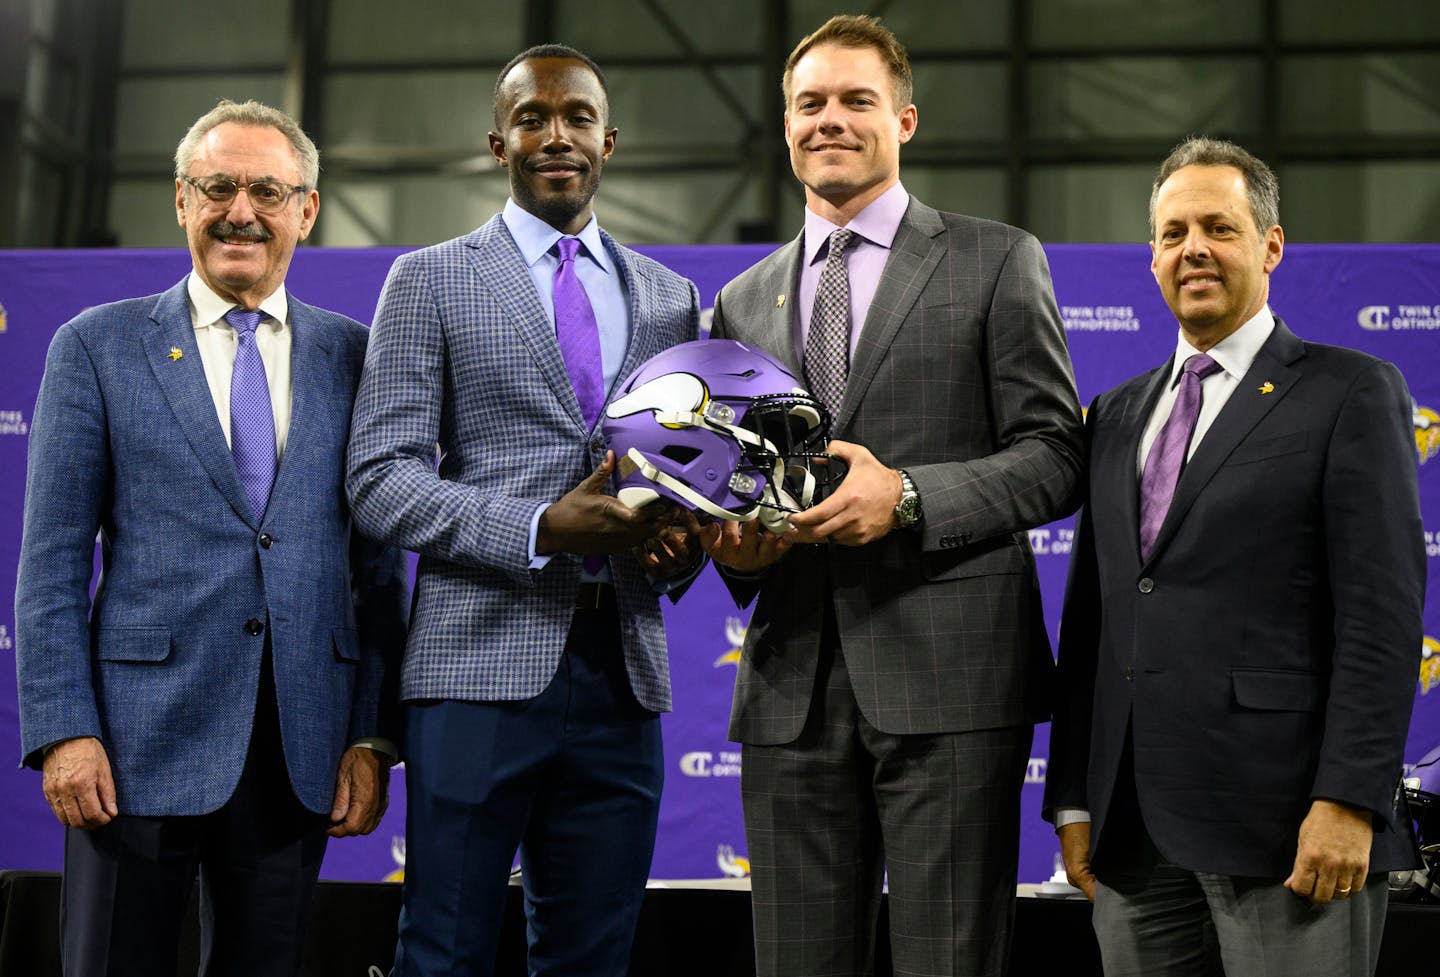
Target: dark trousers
831, 815
126, 884
571, 778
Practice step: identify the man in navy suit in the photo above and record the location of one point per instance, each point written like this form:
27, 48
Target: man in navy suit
536, 666
1238, 647
217, 704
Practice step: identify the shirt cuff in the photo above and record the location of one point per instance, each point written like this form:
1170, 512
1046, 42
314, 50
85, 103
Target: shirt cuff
537, 560
380, 745
1070, 815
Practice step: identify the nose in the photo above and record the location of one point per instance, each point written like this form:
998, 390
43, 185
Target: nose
240, 212
831, 119
1197, 245
556, 136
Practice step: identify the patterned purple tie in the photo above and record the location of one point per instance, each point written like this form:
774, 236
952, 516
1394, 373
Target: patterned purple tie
577, 333
827, 346
252, 419
1167, 454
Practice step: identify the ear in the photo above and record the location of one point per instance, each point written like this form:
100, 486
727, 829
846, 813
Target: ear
1154, 262
909, 119
309, 210
179, 202
609, 146
497, 149
1274, 247
787, 128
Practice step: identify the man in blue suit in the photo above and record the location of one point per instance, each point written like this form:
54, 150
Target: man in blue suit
536, 666
1241, 628
216, 705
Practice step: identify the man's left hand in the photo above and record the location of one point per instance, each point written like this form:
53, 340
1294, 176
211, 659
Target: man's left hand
1333, 854
361, 793
675, 549
862, 507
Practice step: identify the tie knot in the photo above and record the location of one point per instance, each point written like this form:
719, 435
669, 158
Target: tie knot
568, 248
839, 241
1200, 365
243, 320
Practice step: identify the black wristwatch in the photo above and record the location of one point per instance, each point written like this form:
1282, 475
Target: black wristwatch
907, 510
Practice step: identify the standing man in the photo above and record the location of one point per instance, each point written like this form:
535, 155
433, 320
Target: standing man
894, 666
1238, 648
216, 703
536, 667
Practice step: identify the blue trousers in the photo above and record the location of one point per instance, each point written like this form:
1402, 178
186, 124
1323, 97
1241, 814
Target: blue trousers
570, 778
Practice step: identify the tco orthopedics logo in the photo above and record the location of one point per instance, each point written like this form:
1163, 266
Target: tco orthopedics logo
704, 763
1397, 317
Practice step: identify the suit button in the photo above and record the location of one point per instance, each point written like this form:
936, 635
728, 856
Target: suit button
964, 539
254, 627
266, 541
1129, 674
1146, 585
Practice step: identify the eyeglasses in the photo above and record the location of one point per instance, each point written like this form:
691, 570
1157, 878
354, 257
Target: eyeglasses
266, 196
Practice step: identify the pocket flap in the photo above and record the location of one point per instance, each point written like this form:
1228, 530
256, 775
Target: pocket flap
347, 644
132, 644
1261, 688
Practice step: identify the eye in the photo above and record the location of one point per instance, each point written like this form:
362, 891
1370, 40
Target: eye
266, 193
219, 190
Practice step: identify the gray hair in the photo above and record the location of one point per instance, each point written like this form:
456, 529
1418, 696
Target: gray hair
1261, 186
251, 113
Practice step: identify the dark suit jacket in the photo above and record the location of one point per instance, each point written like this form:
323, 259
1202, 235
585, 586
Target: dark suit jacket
163, 666
1266, 652
962, 378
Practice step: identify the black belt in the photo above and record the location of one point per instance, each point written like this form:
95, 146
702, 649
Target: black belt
595, 596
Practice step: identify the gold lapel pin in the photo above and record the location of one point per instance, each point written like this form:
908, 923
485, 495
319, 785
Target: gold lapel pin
1266, 387
175, 353
779, 301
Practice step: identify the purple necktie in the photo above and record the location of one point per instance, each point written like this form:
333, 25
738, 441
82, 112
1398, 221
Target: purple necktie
827, 345
252, 419
1167, 454
577, 333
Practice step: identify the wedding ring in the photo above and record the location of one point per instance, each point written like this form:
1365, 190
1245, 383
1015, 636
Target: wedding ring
1343, 891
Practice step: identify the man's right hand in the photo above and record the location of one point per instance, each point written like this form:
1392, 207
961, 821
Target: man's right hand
78, 783
587, 522
743, 546
1075, 850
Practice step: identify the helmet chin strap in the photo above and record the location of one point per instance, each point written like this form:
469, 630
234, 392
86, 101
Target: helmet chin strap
685, 492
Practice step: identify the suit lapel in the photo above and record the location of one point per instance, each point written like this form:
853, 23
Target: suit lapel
498, 263
640, 294
1135, 416
914, 255
775, 321
182, 380
1265, 384
313, 375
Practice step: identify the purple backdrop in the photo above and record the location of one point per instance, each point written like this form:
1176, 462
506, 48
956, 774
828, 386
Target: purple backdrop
1383, 299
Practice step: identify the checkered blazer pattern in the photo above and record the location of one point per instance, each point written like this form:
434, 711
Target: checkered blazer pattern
961, 377
463, 359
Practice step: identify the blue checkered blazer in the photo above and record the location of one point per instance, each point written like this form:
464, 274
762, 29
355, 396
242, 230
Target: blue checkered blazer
465, 423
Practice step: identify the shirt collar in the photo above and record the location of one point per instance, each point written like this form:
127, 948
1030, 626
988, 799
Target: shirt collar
878, 223
535, 238
1236, 352
211, 308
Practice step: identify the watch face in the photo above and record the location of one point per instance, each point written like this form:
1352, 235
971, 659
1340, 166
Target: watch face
908, 511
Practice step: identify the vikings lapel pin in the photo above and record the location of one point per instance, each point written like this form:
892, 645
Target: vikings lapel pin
779, 301
174, 353
1265, 388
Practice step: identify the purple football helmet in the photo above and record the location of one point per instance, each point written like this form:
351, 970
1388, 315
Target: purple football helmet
722, 429
1422, 797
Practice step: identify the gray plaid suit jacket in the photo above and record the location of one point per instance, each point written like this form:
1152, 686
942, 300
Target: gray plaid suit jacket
962, 378
463, 357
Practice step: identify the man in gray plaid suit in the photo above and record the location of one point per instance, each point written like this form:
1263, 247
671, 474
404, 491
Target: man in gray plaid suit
537, 666
896, 659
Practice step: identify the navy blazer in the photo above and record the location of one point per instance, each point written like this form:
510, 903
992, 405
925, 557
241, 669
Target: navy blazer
1265, 653
163, 666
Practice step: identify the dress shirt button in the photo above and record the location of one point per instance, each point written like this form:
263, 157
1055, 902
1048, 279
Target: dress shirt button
266, 541
254, 627
1146, 585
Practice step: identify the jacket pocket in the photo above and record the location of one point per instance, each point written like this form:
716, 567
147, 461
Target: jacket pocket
132, 644
1287, 444
1273, 689
1003, 555
347, 644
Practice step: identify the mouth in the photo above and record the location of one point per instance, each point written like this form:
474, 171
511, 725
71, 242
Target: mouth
247, 235
1199, 281
558, 170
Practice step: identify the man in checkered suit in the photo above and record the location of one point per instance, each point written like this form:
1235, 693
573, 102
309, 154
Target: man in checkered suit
536, 668
897, 658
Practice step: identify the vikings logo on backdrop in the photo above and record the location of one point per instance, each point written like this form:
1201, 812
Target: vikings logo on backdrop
1427, 432
4, 317
735, 635
1429, 664
731, 865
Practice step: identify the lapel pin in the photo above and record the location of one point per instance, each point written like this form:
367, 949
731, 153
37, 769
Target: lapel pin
1266, 387
175, 353
779, 301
